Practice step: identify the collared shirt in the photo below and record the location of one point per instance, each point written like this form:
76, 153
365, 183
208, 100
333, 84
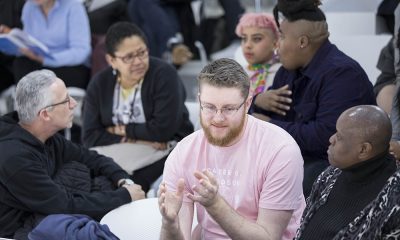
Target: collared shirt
65, 31
330, 84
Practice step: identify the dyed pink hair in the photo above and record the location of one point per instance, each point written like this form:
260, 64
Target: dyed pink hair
261, 20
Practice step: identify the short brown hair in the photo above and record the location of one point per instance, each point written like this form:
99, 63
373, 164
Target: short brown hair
225, 72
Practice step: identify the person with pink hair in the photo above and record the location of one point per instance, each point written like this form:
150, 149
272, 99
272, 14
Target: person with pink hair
260, 36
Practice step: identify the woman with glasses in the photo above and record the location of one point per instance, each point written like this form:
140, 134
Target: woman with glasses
137, 100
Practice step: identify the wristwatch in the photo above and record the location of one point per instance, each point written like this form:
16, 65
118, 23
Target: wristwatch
126, 181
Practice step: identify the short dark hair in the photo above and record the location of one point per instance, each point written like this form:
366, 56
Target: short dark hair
120, 31
294, 10
225, 72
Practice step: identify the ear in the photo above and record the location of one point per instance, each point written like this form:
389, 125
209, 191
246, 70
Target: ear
303, 41
44, 115
111, 60
365, 150
248, 102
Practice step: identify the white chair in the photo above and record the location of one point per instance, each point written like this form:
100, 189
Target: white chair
136, 220
194, 113
351, 23
350, 5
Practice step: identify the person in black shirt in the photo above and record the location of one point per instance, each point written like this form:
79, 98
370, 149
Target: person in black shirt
42, 173
358, 196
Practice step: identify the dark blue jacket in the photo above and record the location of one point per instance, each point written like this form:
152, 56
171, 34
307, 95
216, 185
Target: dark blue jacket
330, 84
71, 227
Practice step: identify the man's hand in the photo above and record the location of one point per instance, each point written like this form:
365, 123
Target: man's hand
170, 202
395, 149
135, 191
207, 190
277, 100
31, 55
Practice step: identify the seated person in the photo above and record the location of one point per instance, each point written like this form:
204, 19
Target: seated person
259, 35
62, 26
357, 197
137, 98
385, 85
160, 21
395, 119
42, 173
240, 190
315, 84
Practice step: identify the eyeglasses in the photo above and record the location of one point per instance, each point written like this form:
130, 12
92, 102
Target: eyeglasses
68, 100
211, 110
130, 57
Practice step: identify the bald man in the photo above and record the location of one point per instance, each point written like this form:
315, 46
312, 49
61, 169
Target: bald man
358, 196
315, 84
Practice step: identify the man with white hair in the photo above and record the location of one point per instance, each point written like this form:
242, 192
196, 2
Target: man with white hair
41, 172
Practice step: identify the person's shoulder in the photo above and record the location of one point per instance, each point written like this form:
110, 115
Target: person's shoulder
29, 6
267, 131
336, 58
162, 73
186, 148
70, 3
17, 156
192, 143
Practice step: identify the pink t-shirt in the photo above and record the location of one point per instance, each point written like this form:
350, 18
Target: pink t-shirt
264, 169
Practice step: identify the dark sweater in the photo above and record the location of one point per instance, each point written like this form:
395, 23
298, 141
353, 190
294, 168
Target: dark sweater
163, 97
27, 169
354, 189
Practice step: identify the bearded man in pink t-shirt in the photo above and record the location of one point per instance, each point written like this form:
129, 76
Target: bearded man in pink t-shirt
243, 175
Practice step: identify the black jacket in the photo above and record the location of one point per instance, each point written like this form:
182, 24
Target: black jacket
27, 171
163, 97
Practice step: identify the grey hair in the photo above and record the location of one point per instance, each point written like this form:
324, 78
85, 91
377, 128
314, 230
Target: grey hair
225, 72
32, 94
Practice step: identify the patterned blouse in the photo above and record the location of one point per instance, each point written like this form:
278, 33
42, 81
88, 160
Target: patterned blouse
379, 220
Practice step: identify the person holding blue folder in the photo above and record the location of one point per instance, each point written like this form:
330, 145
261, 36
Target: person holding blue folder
63, 27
